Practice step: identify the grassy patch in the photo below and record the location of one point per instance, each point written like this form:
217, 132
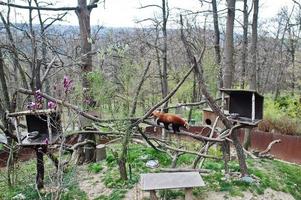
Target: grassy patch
95, 167
25, 183
137, 157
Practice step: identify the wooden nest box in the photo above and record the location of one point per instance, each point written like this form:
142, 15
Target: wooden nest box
43, 126
240, 106
244, 106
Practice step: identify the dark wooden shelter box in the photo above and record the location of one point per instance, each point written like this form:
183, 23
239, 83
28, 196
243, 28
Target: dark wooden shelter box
245, 106
43, 127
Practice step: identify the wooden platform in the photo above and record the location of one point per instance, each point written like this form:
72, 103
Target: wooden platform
158, 181
32, 112
38, 141
245, 121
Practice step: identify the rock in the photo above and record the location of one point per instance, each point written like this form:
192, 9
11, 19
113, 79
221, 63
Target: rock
152, 164
247, 179
19, 197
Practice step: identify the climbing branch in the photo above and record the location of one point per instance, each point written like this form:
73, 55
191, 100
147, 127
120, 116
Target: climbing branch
71, 106
192, 104
166, 98
186, 133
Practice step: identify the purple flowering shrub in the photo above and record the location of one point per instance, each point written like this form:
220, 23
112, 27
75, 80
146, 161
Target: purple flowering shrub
38, 103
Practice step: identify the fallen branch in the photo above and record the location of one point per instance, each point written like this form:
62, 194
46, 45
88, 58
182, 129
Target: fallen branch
77, 145
249, 154
113, 141
185, 170
190, 152
268, 149
93, 132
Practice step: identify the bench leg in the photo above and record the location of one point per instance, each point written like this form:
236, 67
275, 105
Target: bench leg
153, 195
188, 194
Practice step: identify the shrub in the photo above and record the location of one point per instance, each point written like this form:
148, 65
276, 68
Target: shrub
282, 116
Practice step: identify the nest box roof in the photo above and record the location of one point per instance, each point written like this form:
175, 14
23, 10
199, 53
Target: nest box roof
239, 91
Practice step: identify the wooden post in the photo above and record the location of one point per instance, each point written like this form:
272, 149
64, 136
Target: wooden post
223, 103
101, 152
17, 129
49, 128
253, 106
153, 195
40, 150
188, 194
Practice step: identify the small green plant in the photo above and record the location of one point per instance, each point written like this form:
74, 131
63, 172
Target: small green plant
171, 194
95, 167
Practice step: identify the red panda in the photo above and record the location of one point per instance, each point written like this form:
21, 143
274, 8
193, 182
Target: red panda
167, 118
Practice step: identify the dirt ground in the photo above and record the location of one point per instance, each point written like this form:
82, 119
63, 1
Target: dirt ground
92, 185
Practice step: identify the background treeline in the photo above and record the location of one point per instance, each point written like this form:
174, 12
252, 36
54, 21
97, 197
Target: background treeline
121, 54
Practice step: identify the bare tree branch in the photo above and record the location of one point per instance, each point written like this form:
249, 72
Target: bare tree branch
45, 8
151, 5
138, 89
192, 104
49, 66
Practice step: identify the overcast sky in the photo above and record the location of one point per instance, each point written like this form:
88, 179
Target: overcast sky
125, 13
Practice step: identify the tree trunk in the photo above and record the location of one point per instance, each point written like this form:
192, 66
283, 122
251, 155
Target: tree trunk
252, 81
14, 52
247, 138
3, 83
229, 49
164, 61
122, 169
164, 51
217, 44
244, 55
123, 155
228, 65
83, 14
292, 51
240, 154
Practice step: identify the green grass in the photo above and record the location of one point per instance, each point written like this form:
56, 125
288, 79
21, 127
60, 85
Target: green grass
270, 173
267, 171
137, 156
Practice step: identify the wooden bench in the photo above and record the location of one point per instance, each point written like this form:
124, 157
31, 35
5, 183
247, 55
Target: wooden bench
159, 181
